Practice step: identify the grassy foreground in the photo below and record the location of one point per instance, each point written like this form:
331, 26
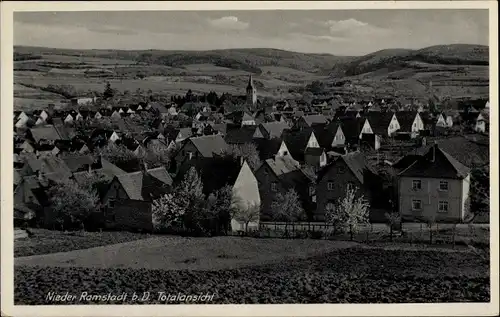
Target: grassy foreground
352, 275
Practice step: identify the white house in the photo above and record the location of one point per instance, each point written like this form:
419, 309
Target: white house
69, 118
97, 115
367, 129
312, 142
114, 137
44, 115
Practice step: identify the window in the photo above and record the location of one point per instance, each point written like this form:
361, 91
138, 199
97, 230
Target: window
311, 190
111, 203
416, 204
350, 186
416, 184
330, 186
443, 206
443, 185
285, 153
274, 186
330, 206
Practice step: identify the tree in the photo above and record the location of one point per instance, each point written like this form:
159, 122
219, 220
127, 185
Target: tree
167, 213
480, 190
71, 203
156, 155
247, 151
287, 208
192, 199
117, 153
393, 219
219, 208
108, 91
247, 214
350, 214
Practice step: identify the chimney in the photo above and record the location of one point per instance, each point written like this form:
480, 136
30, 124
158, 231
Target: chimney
433, 159
90, 168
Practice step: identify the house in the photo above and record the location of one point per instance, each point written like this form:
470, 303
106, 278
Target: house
271, 130
444, 120
128, 200
278, 175
410, 123
384, 124
435, 186
240, 135
115, 115
346, 171
310, 120
241, 118
299, 140
83, 101
199, 147
315, 157
270, 148
43, 134
482, 121
217, 172
68, 119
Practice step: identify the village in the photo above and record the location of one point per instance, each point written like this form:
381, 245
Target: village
112, 162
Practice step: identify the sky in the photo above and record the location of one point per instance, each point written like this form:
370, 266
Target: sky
337, 32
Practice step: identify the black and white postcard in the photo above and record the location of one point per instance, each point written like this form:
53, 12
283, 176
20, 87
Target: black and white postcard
285, 157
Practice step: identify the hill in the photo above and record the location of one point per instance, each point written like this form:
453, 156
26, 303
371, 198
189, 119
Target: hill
444, 72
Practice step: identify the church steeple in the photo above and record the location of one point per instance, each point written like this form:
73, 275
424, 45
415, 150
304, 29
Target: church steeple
250, 83
251, 93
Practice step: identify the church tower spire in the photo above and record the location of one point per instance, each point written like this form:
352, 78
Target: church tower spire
251, 93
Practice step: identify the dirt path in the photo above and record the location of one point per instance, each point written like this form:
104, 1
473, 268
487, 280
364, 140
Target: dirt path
176, 253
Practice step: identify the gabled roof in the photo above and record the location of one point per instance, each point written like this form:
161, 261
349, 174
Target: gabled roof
405, 119
65, 132
436, 163
379, 121
207, 145
47, 132
77, 162
132, 184
49, 165
161, 174
215, 172
267, 148
314, 151
274, 129
296, 141
352, 128
315, 119
240, 135
355, 161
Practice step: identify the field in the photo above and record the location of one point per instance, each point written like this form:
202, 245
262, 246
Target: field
48, 241
336, 275
458, 71
174, 253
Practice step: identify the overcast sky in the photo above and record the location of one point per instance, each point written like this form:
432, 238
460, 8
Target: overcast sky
344, 32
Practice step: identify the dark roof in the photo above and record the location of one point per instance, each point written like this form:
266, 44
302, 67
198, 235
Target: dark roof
267, 148
352, 128
315, 119
436, 163
274, 129
314, 151
215, 172
240, 135
78, 162
379, 121
405, 119
355, 161
207, 145
142, 186
47, 132
296, 141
